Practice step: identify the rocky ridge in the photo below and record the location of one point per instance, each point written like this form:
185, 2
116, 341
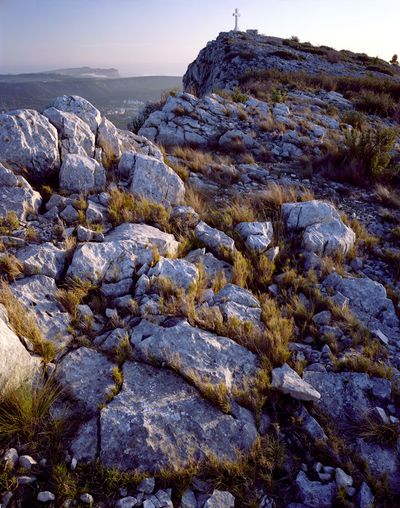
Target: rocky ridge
207, 311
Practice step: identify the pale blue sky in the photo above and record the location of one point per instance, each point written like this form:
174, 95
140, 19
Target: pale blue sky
164, 36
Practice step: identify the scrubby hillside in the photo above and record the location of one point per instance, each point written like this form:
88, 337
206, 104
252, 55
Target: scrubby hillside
206, 313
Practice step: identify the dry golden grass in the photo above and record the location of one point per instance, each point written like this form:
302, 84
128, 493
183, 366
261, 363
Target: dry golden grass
9, 223
276, 195
10, 266
197, 201
24, 411
73, 294
373, 430
125, 207
196, 160
361, 363
387, 196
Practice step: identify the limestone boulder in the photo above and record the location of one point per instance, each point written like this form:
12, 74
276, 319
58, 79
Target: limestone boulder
315, 494
80, 173
214, 239
286, 380
126, 248
16, 195
257, 235
368, 300
44, 259
152, 179
158, 421
348, 393
29, 144
38, 294
213, 267
236, 302
180, 272
16, 365
75, 135
235, 140
81, 108
324, 232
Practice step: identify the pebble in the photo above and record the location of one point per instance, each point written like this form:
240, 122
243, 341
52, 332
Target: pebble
46, 496
27, 462
147, 485
86, 498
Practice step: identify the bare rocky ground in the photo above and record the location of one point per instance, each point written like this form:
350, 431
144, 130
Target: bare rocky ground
206, 313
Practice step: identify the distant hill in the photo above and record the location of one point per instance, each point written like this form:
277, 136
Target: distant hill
37, 90
87, 72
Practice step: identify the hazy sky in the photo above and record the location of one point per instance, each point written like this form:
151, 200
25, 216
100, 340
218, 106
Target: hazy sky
164, 36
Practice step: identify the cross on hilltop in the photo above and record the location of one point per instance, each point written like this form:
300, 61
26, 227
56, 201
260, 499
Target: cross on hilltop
237, 15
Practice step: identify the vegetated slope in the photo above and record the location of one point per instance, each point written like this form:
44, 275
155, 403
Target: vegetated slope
38, 92
212, 303
231, 55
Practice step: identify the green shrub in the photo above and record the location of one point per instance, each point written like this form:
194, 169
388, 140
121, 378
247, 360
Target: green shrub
375, 103
367, 155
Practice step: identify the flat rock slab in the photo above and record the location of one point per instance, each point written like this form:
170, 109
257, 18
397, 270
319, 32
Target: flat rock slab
191, 350
348, 393
159, 421
286, 380
86, 376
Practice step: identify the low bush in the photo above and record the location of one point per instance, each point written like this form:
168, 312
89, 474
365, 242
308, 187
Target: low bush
367, 156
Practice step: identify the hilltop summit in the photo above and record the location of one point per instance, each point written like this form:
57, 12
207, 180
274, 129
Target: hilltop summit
223, 61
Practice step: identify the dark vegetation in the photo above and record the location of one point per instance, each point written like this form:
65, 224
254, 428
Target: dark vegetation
370, 94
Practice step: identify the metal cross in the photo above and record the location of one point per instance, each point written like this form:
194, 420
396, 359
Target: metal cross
237, 16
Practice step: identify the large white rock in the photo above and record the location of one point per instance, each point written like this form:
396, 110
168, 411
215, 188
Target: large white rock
80, 107
16, 195
29, 143
324, 232
126, 248
44, 259
369, 302
152, 179
80, 173
38, 294
74, 134
191, 350
16, 364
214, 239
114, 142
286, 380
257, 235
181, 273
